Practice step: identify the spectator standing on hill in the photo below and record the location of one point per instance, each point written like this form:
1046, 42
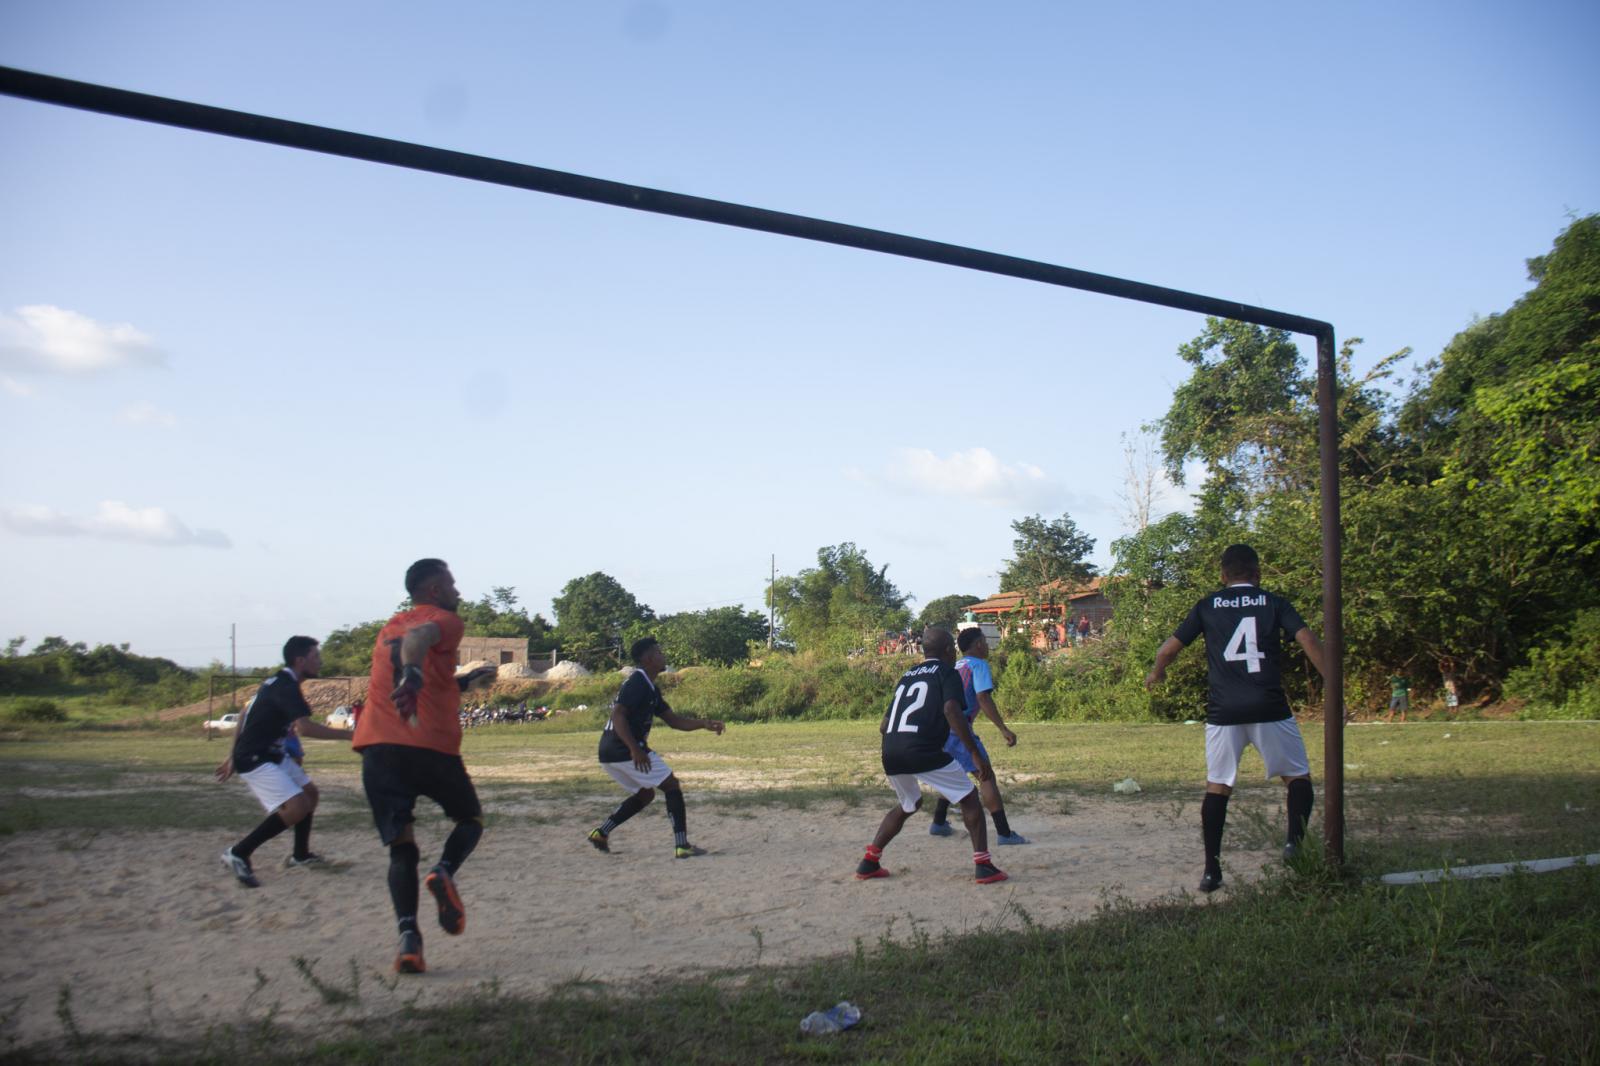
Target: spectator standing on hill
626, 755
1083, 628
1399, 697
409, 737
1242, 624
260, 758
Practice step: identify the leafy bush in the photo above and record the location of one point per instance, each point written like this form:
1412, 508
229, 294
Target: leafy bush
36, 710
1562, 678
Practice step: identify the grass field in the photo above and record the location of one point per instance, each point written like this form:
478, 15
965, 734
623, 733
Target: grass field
1314, 966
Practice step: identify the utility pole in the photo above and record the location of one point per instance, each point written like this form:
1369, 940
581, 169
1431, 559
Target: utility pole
772, 604
233, 663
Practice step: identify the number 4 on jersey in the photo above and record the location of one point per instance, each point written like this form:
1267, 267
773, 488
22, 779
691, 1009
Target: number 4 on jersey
1242, 646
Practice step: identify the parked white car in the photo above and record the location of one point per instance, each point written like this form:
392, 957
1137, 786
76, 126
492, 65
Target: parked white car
226, 724
341, 718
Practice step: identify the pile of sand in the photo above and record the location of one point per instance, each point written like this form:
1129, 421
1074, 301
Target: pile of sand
567, 670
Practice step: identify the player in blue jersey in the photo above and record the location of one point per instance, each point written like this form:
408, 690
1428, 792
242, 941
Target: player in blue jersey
1243, 625
977, 686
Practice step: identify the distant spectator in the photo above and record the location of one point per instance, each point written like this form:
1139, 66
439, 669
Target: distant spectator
1399, 697
1083, 628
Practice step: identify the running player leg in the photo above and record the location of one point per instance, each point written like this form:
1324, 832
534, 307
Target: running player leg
452, 789
303, 855
1284, 752
681, 848
392, 797
909, 794
1224, 745
989, 794
600, 836
940, 827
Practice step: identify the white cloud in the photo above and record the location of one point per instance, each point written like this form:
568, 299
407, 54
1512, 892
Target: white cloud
976, 474
53, 340
147, 414
114, 520
15, 387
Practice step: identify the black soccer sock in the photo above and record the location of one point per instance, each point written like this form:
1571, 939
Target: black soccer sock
1001, 824
403, 882
459, 844
1213, 815
270, 827
680, 818
302, 837
627, 809
1301, 800
941, 812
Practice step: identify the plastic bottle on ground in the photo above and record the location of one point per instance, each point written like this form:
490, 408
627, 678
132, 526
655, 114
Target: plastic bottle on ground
841, 1016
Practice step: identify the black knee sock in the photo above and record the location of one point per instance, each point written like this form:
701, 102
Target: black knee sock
458, 845
627, 809
1213, 815
403, 883
1301, 800
302, 837
270, 827
680, 818
1001, 825
941, 812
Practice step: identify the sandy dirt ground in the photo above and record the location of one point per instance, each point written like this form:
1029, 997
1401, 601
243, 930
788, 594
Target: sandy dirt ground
145, 931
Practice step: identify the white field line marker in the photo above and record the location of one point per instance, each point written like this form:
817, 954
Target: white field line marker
1492, 869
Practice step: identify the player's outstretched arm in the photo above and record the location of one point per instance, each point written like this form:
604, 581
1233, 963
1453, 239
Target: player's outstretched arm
1164, 655
678, 721
308, 728
413, 652
224, 770
991, 712
1311, 646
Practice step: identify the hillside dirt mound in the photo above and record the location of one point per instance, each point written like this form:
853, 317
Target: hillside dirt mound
323, 693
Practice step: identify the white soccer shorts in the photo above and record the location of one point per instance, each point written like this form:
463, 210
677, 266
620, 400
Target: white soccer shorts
276, 783
1279, 743
949, 780
633, 779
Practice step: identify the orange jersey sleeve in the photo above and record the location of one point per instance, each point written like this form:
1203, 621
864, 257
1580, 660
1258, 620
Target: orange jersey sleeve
438, 722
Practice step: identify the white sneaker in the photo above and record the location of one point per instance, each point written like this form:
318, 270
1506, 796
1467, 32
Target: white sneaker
240, 868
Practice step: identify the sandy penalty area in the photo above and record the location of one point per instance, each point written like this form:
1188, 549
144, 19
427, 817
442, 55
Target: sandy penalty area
131, 931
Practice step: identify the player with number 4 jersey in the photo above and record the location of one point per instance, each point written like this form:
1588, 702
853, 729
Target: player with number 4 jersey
926, 709
1244, 625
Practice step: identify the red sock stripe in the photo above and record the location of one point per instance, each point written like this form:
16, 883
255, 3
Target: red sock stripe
981, 857
874, 853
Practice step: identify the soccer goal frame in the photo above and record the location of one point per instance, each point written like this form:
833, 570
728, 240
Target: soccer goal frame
183, 114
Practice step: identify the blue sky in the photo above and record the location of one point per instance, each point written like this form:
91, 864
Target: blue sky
242, 384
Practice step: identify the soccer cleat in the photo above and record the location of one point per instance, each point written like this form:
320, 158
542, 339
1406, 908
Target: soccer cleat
240, 867
311, 859
987, 873
1211, 882
687, 851
600, 841
452, 913
940, 829
409, 958
1291, 850
1010, 838
868, 869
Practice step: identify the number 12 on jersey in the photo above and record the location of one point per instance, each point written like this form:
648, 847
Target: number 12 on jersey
1242, 646
913, 699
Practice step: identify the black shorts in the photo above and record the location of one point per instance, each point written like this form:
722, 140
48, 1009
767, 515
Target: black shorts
394, 775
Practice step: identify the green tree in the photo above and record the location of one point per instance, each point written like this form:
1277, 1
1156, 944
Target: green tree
843, 602
1047, 551
719, 635
593, 613
945, 612
498, 614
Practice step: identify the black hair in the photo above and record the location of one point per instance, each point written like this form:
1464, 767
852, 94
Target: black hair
935, 639
641, 647
418, 573
295, 647
968, 638
1240, 560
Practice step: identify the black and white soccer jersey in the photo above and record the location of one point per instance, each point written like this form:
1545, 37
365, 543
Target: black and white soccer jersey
915, 729
641, 703
1243, 627
265, 723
